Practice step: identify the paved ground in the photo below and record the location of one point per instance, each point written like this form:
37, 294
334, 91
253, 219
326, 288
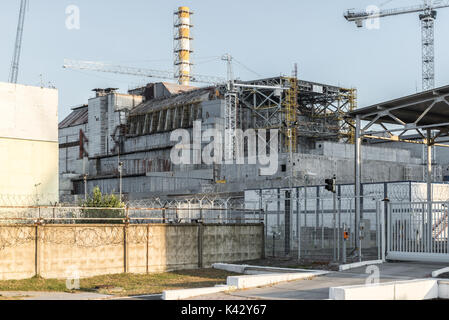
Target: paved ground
318, 288
315, 289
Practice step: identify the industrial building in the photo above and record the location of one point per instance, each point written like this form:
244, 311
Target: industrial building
323, 177
132, 132
29, 145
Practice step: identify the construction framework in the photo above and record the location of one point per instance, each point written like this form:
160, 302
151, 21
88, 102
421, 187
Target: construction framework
297, 108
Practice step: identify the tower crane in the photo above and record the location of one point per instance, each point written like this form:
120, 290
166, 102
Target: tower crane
427, 16
18, 45
135, 71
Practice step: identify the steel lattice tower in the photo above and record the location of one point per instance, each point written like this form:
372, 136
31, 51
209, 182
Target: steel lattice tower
14, 73
428, 49
428, 15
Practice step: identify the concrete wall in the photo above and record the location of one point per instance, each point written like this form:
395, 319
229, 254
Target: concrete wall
380, 153
105, 114
70, 165
102, 249
69, 161
29, 141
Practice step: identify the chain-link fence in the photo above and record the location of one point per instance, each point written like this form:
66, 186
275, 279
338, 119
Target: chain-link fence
313, 230
300, 224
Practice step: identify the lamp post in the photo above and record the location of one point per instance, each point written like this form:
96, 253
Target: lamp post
120, 170
37, 193
85, 186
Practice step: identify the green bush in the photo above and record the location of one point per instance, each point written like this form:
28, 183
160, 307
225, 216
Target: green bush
98, 200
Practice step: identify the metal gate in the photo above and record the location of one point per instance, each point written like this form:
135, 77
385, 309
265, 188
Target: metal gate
314, 228
417, 231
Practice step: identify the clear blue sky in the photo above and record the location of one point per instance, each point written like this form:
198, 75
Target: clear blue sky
266, 36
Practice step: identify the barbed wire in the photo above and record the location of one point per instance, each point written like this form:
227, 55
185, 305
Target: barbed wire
77, 236
14, 236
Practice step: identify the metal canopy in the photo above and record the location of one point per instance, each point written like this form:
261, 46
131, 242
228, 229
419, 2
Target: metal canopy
425, 108
425, 113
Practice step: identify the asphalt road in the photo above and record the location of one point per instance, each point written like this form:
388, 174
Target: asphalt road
318, 287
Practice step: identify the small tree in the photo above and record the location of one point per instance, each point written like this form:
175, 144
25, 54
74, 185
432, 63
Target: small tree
98, 200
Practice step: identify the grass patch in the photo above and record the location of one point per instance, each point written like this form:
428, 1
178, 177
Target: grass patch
34, 284
125, 284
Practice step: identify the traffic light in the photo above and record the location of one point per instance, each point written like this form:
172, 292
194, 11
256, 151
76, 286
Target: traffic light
330, 184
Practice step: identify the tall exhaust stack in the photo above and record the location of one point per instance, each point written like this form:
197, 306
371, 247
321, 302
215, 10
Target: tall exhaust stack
182, 48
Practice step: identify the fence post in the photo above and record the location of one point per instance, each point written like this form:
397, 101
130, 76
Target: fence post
382, 232
287, 221
125, 242
147, 248
200, 244
334, 218
298, 224
266, 227
37, 260
263, 236
344, 244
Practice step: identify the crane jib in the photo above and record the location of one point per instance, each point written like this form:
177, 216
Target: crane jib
363, 15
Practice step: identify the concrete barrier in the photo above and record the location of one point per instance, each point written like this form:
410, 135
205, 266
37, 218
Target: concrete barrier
237, 268
354, 265
244, 268
260, 280
419, 289
190, 293
239, 282
443, 289
438, 272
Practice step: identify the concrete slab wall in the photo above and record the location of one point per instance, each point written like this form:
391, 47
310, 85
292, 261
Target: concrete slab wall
232, 243
56, 251
17, 252
29, 142
91, 250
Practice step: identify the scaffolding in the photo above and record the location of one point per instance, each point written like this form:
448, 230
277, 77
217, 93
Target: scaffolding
352, 107
317, 113
290, 109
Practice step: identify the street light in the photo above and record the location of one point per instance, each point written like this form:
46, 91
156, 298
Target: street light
85, 186
37, 193
120, 170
